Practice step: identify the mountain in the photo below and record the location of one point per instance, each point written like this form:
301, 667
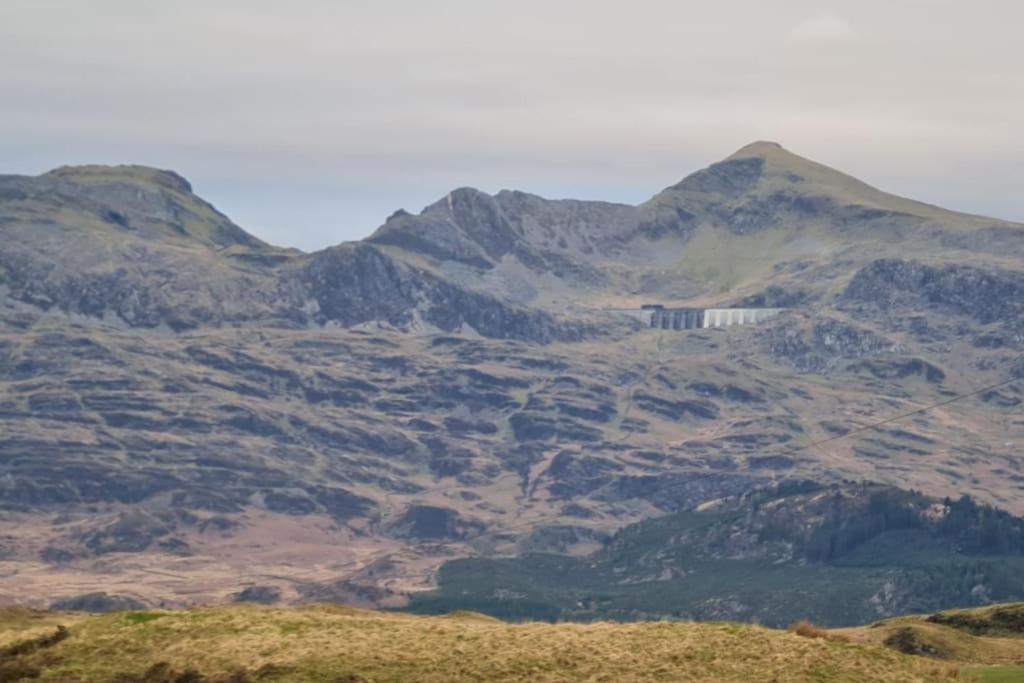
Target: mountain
726, 227
187, 413
134, 247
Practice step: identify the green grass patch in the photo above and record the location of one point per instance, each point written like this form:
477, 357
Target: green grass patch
996, 674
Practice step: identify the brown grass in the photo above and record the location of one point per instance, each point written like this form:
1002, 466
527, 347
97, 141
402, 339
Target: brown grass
326, 644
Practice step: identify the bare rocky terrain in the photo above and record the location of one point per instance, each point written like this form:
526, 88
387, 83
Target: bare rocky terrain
188, 414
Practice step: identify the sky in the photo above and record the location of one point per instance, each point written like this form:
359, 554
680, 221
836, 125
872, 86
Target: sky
310, 121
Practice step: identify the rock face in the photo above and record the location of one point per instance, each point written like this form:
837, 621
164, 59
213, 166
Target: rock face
824, 344
175, 392
353, 285
993, 295
263, 595
428, 522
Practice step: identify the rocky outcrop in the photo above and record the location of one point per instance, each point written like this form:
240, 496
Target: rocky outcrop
433, 523
356, 284
97, 603
823, 346
262, 595
984, 295
467, 226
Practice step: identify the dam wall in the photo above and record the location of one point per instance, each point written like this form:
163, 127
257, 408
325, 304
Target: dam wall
726, 317
656, 316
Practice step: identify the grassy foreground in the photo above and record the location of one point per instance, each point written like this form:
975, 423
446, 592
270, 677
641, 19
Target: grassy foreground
328, 643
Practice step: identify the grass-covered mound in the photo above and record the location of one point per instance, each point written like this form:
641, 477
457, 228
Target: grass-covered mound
246, 643
988, 642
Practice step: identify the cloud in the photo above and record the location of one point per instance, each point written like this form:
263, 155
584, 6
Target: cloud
311, 121
826, 27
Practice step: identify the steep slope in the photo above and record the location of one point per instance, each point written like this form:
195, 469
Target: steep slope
357, 284
746, 191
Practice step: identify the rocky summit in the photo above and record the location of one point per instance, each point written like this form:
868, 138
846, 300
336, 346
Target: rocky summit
190, 415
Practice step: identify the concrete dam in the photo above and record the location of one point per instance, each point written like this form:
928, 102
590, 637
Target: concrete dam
657, 316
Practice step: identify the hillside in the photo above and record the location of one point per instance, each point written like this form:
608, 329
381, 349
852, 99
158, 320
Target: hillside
838, 555
342, 644
188, 413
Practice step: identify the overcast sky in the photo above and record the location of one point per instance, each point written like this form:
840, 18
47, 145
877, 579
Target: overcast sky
309, 121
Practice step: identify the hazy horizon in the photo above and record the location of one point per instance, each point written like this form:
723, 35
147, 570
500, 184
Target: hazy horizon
309, 124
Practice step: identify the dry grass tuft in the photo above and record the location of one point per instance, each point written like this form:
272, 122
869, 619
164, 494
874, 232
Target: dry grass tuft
809, 630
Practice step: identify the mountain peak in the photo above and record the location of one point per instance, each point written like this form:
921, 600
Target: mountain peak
773, 155
765, 169
760, 166
758, 148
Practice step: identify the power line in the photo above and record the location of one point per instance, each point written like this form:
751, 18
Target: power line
903, 416
813, 444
